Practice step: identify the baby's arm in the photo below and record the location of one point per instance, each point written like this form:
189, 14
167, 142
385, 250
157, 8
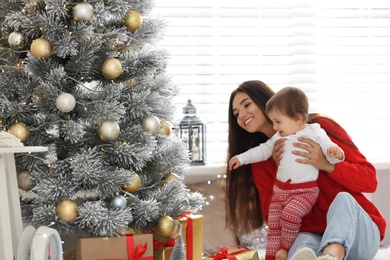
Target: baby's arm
234, 163
335, 152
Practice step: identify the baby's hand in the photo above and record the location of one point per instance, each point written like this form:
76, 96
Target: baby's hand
335, 152
234, 163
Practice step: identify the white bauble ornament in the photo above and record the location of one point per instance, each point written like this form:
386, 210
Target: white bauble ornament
118, 201
82, 12
109, 130
151, 124
16, 40
65, 102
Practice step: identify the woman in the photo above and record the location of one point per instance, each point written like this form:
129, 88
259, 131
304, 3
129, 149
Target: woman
337, 227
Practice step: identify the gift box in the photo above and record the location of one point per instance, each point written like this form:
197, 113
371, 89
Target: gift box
163, 253
236, 253
129, 247
192, 233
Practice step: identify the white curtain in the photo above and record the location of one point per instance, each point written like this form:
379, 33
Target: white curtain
338, 52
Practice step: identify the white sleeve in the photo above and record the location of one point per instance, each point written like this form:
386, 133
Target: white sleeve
257, 154
324, 141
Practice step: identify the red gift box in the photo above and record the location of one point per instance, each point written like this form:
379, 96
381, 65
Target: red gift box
129, 247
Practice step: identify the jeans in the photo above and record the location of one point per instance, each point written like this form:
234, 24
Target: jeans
347, 224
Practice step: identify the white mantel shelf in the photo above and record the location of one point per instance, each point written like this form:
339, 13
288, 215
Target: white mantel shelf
23, 149
11, 225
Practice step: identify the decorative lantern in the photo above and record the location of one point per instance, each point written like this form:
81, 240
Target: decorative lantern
191, 130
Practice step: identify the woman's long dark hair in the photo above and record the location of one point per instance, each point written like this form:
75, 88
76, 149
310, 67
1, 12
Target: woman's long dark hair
243, 207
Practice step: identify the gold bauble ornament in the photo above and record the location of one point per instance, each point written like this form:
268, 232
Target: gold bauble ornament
111, 68
41, 48
151, 124
165, 226
166, 129
67, 210
109, 130
133, 185
25, 181
170, 177
133, 20
82, 12
177, 230
20, 130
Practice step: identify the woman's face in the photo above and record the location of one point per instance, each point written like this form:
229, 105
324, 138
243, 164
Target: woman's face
249, 116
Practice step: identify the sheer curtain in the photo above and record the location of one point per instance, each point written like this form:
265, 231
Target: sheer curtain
336, 51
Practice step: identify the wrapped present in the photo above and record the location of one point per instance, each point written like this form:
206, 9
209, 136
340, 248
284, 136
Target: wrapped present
192, 233
235, 253
163, 253
129, 247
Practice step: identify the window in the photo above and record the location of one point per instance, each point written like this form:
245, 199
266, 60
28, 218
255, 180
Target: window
336, 51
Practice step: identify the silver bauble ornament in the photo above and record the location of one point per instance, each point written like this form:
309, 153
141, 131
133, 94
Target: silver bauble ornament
82, 12
65, 102
16, 40
109, 130
151, 124
25, 181
118, 201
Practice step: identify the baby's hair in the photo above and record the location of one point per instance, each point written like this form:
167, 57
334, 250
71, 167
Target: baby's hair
291, 102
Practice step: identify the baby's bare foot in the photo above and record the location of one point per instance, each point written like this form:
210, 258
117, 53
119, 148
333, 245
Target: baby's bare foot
281, 254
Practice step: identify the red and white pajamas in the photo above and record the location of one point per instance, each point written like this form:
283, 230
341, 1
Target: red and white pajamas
289, 204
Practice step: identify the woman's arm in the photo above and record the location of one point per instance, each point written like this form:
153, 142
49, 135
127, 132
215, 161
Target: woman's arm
355, 172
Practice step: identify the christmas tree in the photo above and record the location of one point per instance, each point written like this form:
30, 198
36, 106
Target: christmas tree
86, 79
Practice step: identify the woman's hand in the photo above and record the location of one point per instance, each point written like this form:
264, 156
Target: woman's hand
313, 155
277, 152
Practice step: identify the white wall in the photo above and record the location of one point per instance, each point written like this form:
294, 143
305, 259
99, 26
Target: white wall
381, 197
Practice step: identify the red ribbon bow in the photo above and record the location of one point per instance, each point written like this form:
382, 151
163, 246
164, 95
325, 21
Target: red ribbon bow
137, 252
224, 252
169, 243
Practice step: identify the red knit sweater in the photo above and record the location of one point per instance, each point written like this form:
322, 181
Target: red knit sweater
354, 175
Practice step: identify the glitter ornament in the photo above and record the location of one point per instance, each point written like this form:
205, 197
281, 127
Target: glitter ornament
25, 181
82, 12
41, 48
16, 40
111, 68
133, 20
151, 124
109, 130
133, 185
65, 102
165, 226
67, 210
118, 201
21, 131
